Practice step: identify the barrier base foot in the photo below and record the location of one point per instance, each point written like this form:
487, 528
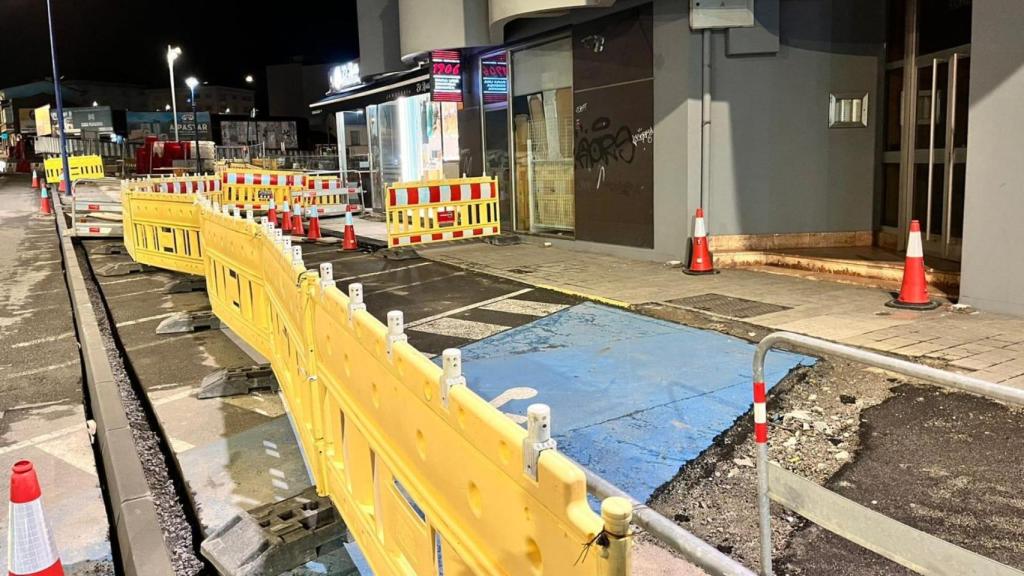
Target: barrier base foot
503, 239
274, 538
121, 269
929, 305
399, 254
183, 322
238, 381
689, 272
190, 284
110, 250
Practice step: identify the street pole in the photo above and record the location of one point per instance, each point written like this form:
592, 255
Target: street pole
195, 123
173, 53
60, 102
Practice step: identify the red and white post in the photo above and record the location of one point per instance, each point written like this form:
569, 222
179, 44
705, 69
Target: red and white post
761, 440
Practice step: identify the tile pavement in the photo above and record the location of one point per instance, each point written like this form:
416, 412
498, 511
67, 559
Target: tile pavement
987, 345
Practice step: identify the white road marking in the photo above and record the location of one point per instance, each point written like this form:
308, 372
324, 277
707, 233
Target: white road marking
42, 340
158, 342
139, 293
146, 319
5, 377
77, 454
483, 304
41, 438
526, 307
180, 446
369, 274
460, 328
413, 284
134, 278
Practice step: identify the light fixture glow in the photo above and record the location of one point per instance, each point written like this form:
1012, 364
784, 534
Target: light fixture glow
248, 79
191, 82
172, 53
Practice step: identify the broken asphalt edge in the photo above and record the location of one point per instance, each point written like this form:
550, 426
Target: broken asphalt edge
139, 535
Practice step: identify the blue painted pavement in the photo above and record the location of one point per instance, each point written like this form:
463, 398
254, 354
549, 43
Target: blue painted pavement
632, 397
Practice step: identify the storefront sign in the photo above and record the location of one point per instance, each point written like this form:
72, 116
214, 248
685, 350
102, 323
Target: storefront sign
494, 73
343, 76
142, 124
98, 118
446, 76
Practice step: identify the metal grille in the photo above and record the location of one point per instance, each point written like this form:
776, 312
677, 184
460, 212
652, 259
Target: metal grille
728, 305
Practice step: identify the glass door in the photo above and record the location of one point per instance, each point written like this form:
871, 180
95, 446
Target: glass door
494, 103
925, 137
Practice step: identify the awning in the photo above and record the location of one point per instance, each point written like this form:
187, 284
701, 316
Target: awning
381, 89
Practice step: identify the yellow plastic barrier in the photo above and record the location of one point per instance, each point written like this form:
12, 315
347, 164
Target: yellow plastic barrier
255, 188
424, 472
442, 210
81, 168
162, 229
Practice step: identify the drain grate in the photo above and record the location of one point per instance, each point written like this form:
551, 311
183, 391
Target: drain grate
728, 305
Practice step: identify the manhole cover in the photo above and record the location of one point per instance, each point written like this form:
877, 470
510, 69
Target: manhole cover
728, 305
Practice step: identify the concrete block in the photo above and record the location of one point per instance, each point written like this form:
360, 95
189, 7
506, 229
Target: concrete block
125, 479
105, 400
144, 552
238, 381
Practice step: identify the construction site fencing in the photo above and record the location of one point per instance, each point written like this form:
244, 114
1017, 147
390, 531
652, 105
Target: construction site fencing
428, 476
255, 188
903, 544
81, 168
441, 210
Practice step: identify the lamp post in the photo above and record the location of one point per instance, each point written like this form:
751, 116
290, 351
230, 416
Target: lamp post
191, 82
252, 115
172, 54
60, 102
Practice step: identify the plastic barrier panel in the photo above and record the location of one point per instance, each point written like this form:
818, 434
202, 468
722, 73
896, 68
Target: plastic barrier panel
162, 229
257, 187
437, 211
429, 477
81, 167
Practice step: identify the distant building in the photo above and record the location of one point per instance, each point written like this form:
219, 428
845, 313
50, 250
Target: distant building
209, 98
290, 89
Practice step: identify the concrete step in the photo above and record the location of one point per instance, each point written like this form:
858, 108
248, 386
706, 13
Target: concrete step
880, 273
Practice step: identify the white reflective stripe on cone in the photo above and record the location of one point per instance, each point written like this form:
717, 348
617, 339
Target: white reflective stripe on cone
698, 228
31, 547
914, 248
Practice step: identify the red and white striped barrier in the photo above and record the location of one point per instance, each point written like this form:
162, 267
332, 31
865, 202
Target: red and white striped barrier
315, 183
263, 179
442, 236
441, 193
187, 186
760, 413
31, 548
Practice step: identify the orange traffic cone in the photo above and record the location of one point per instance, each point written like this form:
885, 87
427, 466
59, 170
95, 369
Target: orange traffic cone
35, 180
286, 217
62, 188
297, 221
272, 212
700, 257
314, 224
914, 290
31, 549
349, 243
44, 202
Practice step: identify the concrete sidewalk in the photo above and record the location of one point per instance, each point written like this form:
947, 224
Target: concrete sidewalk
991, 346
42, 417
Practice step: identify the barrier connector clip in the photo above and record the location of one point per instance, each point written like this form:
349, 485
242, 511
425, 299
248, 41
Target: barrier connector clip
326, 275
396, 331
297, 256
355, 300
538, 437
451, 363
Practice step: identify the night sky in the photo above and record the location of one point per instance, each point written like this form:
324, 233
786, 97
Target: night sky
126, 41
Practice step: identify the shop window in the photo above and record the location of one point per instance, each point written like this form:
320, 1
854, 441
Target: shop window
542, 125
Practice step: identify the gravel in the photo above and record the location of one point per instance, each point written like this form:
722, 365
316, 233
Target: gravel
178, 532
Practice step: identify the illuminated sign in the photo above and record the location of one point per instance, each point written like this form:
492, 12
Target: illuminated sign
445, 76
343, 76
494, 78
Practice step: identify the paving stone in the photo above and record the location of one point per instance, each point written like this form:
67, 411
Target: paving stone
894, 343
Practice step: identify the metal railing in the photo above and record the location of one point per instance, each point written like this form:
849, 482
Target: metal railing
907, 546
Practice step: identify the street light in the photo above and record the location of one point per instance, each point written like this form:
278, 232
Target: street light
167, 107
172, 55
248, 79
191, 82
